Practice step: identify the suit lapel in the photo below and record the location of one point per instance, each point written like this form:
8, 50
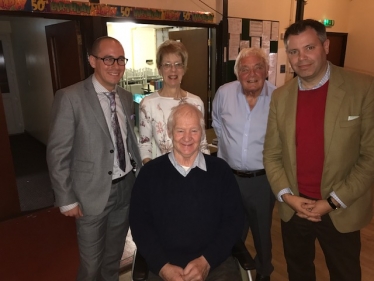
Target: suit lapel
334, 99
123, 102
93, 101
290, 126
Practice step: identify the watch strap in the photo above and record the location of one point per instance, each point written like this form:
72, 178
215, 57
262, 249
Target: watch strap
332, 205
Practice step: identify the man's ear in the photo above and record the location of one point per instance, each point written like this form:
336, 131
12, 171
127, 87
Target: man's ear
92, 60
326, 46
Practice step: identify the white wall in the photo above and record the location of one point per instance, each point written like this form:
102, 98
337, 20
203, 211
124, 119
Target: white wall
144, 46
360, 45
336, 10
139, 42
34, 77
354, 17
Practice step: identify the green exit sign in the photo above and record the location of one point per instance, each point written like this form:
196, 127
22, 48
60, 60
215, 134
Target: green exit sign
328, 23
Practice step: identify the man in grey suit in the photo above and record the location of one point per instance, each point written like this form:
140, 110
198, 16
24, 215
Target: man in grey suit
89, 153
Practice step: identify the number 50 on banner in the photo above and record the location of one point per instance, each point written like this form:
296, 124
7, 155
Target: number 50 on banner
38, 5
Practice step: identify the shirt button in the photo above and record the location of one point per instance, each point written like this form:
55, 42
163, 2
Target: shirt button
110, 172
111, 151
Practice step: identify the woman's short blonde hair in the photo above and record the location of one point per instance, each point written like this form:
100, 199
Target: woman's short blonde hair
172, 47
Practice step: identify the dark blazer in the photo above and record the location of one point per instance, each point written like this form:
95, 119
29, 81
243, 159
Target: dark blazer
349, 146
79, 150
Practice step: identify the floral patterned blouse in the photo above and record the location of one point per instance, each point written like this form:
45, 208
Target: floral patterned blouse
154, 112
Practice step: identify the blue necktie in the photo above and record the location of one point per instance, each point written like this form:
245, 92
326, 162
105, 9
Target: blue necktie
117, 131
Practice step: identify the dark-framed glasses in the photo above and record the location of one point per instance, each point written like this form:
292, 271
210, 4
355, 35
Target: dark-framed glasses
168, 65
110, 60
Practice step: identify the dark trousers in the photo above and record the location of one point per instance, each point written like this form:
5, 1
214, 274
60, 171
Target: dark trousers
341, 250
258, 200
226, 271
101, 238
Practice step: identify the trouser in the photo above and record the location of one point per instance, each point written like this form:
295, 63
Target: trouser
341, 250
101, 238
226, 271
258, 200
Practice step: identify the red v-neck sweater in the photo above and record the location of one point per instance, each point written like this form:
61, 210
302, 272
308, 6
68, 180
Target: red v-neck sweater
310, 118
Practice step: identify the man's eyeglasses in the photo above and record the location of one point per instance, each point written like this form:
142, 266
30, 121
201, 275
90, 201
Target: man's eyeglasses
110, 60
168, 65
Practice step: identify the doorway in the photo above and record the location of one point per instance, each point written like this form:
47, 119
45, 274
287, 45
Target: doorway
141, 41
196, 78
64, 41
338, 45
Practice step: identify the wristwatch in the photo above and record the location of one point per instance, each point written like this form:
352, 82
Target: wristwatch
332, 205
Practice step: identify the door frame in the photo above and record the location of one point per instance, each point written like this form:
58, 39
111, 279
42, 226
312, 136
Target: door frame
11, 100
60, 38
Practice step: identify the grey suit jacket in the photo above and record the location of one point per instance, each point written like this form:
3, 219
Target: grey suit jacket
348, 143
80, 150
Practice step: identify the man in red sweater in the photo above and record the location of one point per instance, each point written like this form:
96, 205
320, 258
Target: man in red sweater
319, 157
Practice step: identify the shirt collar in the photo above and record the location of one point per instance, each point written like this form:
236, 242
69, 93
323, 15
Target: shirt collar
199, 162
100, 89
324, 79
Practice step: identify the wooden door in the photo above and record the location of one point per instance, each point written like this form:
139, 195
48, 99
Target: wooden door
338, 44
64, 43
196, 79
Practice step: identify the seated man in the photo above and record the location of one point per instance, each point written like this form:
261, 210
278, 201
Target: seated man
186, 212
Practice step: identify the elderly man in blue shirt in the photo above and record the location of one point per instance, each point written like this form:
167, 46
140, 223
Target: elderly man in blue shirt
240, 114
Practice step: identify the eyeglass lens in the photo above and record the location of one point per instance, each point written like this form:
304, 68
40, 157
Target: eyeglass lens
177, 65
110, 61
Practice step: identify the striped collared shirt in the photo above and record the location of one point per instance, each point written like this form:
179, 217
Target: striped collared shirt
324, 79
105, 105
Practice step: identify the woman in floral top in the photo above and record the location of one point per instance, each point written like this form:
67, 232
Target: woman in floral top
171, 59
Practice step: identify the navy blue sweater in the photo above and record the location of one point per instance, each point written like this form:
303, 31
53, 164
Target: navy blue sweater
175, 219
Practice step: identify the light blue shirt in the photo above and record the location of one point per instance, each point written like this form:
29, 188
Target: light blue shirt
240, 130
199, 162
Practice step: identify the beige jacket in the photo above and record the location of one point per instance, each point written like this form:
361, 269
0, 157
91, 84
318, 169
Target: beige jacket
349, 146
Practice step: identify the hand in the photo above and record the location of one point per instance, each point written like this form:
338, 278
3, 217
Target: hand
322, 207
171, 272
196, 270
145, 160
304, 208
75, 212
